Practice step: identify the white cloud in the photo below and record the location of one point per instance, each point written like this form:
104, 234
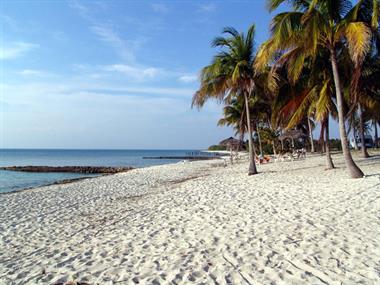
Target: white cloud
160, 7
56, 88
162, 92
123, 48
59, 36
32, 72
135, 72
138, 73
188, 78
15, 50
52, 114
104, 32
10, 22
80, 66
83, 10
210, 7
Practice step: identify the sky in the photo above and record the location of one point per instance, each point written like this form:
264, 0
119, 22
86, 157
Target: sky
113, 74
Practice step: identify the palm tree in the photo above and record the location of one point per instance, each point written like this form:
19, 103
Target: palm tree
233, 115
311, 126
353, 125
368, 12
363, 146
314, 98
371, 84
260, 113
367, 95
315, 25
269, 136
329, 162
376, 134
231, 75
311, 96
260, 108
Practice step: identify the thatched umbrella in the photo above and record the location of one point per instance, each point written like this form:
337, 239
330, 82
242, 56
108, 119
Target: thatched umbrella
231, 143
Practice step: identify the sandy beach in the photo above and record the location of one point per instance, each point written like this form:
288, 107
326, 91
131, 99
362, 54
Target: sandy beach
198, 223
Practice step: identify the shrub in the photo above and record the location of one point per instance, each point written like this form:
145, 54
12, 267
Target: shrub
217, 147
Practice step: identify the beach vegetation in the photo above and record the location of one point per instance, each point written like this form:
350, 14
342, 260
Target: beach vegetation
320, 63
216, 147
332, 27
230, 75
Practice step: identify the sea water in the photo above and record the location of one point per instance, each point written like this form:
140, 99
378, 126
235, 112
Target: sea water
14, 180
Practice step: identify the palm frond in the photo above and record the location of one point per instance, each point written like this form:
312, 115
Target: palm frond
358, 37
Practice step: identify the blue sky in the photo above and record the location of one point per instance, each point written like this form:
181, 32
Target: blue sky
112, 74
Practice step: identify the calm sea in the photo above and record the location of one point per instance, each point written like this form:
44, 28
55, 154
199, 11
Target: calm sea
13, 181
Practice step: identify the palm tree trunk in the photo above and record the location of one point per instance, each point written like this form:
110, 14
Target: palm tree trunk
241, 139
376, 135
354, 170
329, 162
252, 165
273, 142
274, 148
259, 137
354, 134
361, 129
321, 140
254, 148
311, 135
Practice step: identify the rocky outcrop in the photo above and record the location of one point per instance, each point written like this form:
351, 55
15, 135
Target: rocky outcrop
72, 169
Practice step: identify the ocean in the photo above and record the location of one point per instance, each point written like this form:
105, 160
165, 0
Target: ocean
13, 181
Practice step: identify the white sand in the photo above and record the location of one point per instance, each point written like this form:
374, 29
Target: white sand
292, 224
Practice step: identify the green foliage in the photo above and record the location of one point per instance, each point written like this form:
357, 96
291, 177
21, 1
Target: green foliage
267, 148
217, 147
291, 80
234, 115
230, 73
336, 144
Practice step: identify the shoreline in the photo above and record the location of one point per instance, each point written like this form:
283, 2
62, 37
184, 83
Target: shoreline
217, 159
82, 169
197, 222
78, 179
59, 182
68, 169
97, 171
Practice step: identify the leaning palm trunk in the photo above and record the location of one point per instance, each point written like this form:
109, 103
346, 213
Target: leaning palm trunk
329, 162
354, 170
361, 130
310, 135
252, 165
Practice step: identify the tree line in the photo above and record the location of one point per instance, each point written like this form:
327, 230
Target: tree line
321, 61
